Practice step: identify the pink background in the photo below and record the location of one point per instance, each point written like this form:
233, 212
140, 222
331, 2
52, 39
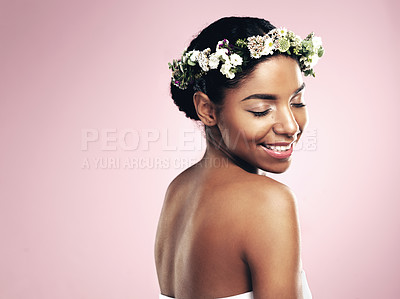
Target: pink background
68, 67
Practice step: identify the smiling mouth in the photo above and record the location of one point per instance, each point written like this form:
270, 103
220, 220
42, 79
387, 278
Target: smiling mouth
277, 148
280, 150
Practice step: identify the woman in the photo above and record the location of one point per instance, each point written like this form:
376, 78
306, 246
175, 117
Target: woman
225, 230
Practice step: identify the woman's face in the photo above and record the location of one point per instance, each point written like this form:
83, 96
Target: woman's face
264, 117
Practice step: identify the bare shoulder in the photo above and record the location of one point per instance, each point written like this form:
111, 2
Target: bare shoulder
180, 183
271, 239
253, 201
269, 196
258, 191
267, 205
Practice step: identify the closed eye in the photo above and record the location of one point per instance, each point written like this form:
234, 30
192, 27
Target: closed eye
262, 113
298, 105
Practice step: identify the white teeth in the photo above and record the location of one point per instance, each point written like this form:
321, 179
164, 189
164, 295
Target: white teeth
278, 148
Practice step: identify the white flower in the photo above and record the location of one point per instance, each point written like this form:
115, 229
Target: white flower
273, 33
317, 42
256, 46
236, 59
222, 54
194, 55
269, 47
226, 70
206, 52
203, 61
282, 31
213, 61
314, 60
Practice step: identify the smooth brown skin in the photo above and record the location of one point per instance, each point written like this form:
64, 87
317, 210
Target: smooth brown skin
225, 229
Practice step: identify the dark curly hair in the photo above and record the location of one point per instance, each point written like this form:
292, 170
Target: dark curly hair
214, 83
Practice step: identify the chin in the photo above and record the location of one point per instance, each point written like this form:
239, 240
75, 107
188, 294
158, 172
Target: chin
279, 168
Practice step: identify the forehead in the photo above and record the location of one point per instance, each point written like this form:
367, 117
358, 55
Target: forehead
278, 75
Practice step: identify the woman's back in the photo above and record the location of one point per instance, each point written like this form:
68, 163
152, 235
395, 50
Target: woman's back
203, 230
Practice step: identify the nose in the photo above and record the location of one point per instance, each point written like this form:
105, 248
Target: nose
285, 122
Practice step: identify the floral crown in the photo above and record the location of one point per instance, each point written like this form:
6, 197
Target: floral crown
194, 64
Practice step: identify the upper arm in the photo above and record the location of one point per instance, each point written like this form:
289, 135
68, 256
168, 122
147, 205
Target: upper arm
272, 244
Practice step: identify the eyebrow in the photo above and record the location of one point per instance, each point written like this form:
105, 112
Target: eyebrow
266, 96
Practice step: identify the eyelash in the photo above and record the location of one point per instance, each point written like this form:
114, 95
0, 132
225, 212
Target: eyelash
298, 105
263, 113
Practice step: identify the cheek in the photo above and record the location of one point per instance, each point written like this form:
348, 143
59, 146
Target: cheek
261, 127
246, 134
239, 128
232, 131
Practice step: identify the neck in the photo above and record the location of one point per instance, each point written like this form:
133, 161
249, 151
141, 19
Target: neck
217, 152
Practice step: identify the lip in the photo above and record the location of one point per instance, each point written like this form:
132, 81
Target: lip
280, 143
279, 155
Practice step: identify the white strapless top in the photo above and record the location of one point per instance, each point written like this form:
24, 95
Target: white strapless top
249, 295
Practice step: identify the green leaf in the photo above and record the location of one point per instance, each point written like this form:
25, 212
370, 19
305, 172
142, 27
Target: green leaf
321, 52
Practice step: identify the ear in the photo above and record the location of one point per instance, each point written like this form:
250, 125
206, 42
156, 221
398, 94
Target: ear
205, 108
